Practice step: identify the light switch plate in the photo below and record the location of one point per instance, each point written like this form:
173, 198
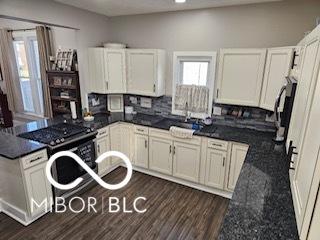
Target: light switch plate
146, 102
217, 111
133, 100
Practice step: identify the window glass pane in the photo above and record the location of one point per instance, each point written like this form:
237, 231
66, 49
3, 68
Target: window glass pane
26, 92
21, 59
195, 73
36, 57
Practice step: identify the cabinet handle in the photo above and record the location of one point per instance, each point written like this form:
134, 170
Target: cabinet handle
107, 85
36, 159
154, 88
174, 150
224, 159
218, 145
99, 149
217, 93
145, 144
170, 149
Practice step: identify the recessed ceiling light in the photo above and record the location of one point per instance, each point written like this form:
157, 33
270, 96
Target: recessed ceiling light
180, 1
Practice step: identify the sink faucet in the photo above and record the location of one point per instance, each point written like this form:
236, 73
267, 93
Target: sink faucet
187, 114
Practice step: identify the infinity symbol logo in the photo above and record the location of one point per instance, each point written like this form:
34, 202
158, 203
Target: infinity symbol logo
89, 170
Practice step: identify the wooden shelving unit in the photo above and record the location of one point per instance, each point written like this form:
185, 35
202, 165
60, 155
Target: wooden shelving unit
64, 83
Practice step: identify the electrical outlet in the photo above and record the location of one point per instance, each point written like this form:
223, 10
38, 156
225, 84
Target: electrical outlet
133, 100
146, 102
95, 102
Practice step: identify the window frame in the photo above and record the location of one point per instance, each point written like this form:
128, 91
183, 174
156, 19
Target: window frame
192, 56
28, 37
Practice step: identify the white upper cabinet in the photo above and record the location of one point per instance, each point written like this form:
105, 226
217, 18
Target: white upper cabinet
240, 76
115, 70
146, 72
277, 69
97, 81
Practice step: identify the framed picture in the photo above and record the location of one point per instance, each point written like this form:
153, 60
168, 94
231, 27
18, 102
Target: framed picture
57, 81
69, 82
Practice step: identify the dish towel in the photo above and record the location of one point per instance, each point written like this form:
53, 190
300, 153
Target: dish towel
181, 132
192, 98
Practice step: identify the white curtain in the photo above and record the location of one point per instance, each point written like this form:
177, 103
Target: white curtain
192, 98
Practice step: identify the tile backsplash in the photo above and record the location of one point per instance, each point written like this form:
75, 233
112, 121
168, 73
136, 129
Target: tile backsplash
161, 106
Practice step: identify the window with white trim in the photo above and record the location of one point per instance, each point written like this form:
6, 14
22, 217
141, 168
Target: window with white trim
194, 70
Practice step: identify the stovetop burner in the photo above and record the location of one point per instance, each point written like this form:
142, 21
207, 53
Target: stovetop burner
55, 134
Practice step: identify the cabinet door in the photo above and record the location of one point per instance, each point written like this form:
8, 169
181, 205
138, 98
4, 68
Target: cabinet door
160, 155
126, 140
238, 155
186, 161
115, 67
142, 71
97, 81
115, 142
141, 150
305, 88
277, 69
103, 145
307, 174
215, 168
240, 76
314, 231
38, 188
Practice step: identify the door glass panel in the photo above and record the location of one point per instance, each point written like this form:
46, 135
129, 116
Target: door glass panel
24, 76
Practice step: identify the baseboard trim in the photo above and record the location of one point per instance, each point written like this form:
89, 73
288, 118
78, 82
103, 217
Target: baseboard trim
197, 186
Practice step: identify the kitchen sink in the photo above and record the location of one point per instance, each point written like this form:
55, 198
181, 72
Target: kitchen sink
169, 123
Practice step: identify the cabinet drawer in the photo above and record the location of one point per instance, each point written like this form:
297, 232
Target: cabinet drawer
34, 159
218, 144
159, 133
141, 130
103, 132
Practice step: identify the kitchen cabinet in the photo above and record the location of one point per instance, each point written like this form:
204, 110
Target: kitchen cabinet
306, 176
121, 140
240, 75
141, 150
160, 155
276, 70
146, 72
314, 231
215, 168
186, 161
22, 181
96, 69
238, 155
107, 70
37, 188
305, 88
115, 70
102, 146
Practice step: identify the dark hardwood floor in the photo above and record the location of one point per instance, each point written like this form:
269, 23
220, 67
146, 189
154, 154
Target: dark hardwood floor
173, 212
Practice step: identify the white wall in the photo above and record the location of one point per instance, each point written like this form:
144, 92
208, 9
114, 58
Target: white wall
259, 25
94, 28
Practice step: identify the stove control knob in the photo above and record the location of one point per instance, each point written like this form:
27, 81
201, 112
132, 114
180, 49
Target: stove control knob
92, 129
88, 130
62, 140
58, 141
52, 143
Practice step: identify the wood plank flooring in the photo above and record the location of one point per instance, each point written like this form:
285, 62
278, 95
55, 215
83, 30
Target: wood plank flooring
173, 212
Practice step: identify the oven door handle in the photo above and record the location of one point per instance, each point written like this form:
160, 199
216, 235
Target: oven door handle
73, 149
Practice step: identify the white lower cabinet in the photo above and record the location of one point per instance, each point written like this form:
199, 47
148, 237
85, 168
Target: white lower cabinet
215, 168
186, 161
238, 155
37, 188
102, 146
160, 155
141, 150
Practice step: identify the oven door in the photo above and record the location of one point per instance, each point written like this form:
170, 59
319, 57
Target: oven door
66, 169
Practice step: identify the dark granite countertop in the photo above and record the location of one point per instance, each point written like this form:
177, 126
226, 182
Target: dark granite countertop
261, 206
13, 147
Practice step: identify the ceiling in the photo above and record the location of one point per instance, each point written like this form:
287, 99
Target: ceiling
130, 7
